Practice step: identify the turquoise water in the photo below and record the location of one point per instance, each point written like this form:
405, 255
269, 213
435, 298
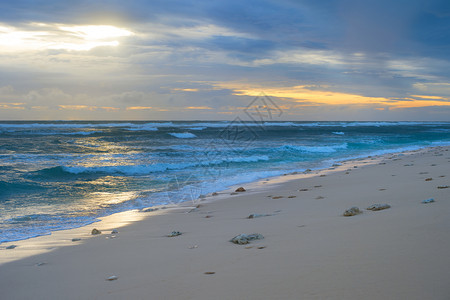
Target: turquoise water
60, 175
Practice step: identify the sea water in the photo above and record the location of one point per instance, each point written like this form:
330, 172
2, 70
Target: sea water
60, 175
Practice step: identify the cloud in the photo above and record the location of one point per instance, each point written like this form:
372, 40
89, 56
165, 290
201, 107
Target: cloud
300, 96
198, 107
138, 107
86, 59
11, 105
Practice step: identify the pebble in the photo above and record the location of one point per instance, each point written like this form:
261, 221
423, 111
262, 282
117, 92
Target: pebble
95, 231
431, 200
149, 209
112, 278
243, 239
174, 233
353, 211
252, 216
375, 207
240, 189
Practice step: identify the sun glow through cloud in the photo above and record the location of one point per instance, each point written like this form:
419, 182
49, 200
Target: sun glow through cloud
60, 37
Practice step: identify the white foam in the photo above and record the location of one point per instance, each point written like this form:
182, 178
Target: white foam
183, 135
317, 149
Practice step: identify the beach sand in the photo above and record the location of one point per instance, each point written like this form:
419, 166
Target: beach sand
309, 251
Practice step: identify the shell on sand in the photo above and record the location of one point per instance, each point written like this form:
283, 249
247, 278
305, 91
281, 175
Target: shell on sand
375, 207
353, 211
243, 239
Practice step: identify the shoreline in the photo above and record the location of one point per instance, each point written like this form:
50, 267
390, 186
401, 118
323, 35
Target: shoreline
309, 251
63, 238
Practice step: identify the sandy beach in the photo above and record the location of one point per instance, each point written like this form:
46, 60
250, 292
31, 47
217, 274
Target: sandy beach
309, 250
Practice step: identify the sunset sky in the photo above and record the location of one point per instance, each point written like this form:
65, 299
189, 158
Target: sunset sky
208, 60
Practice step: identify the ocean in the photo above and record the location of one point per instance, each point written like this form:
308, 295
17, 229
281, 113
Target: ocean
59, 175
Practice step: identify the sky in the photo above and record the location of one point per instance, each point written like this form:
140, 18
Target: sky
214, 60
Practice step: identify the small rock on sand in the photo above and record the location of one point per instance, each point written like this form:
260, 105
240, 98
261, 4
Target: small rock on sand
76, 239
290, 197
215, 194
277, 197
112, 278
243, 239
253, 216
149, 209
11, 247
431, 200
114, 231
353, 211
174, 233
428, 179
95, 231
240, 189
375, 207
209, 273
443, 187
